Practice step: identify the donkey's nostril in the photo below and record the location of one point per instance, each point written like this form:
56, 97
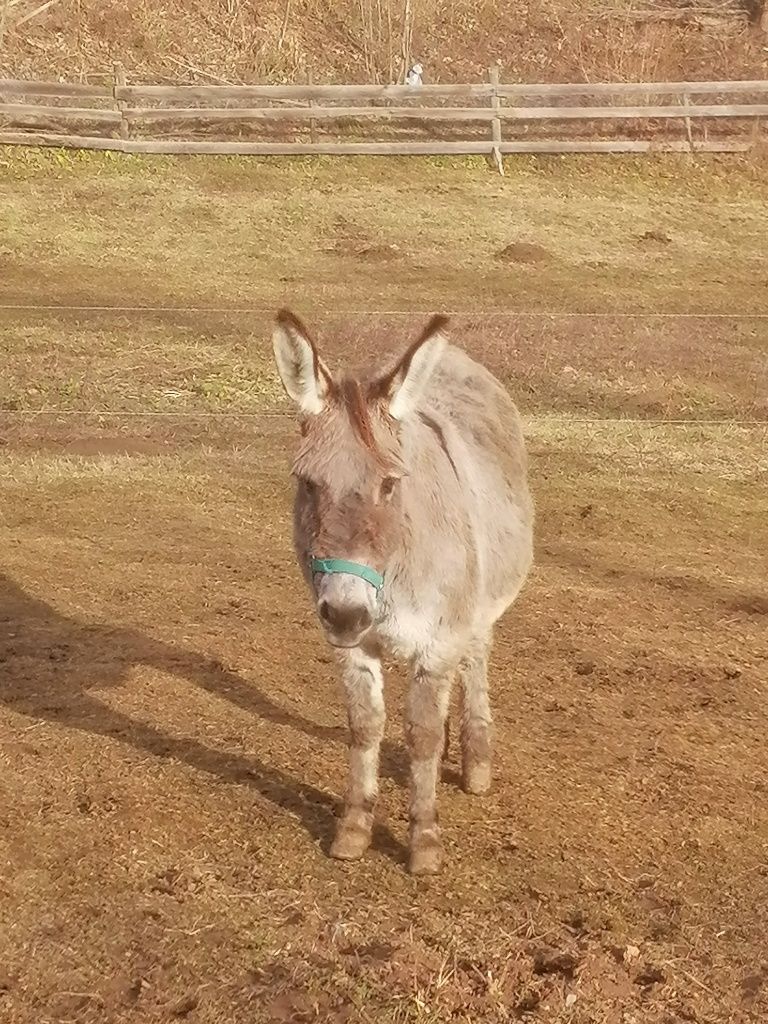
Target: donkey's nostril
360, 620
344, 619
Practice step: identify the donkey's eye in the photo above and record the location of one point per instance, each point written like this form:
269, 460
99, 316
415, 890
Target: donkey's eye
388, 486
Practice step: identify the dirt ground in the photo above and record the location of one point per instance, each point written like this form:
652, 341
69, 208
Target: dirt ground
171, 732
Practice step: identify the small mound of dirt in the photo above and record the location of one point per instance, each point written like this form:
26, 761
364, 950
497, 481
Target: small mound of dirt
523, 252
377, 253
654, 237
751, 604
365, 253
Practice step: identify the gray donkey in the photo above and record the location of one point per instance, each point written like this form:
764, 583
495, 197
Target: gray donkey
413, 526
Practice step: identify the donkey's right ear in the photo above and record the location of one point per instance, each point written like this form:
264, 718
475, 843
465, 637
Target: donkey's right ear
305, 378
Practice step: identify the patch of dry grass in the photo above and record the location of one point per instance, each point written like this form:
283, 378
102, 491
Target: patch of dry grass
165, 677
255, 233
190, 363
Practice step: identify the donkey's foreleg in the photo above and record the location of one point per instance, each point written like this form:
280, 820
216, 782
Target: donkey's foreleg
476, 719
426, 712
364, 691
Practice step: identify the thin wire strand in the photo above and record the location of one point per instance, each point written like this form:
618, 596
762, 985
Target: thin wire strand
32, 414
243, 310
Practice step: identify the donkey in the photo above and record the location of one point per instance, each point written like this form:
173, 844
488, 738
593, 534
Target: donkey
413, 526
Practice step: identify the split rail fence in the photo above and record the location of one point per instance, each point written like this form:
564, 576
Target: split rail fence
487, 118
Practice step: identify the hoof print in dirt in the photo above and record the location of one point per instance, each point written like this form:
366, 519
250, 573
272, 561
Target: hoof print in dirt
555, 961
654, 237
185, 1005
527, 1003
576, 920
584, 668
648, 975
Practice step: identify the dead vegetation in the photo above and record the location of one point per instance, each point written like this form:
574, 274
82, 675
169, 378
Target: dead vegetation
374, 40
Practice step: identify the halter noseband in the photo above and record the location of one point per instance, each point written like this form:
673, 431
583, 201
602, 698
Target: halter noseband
332, 565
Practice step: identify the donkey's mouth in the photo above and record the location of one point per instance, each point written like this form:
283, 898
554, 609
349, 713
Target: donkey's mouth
345, 643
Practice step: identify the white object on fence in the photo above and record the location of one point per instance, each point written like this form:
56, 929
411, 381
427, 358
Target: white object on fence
414, 75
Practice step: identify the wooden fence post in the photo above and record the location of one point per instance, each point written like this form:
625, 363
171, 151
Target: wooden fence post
493, 75
756, 133
686, 99
120, 104
312, 123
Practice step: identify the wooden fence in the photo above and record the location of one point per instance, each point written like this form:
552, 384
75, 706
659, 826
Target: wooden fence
486, 118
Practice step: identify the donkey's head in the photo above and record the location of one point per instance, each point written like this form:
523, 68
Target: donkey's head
349, 469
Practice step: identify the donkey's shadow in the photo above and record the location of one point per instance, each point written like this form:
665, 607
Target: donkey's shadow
48, 661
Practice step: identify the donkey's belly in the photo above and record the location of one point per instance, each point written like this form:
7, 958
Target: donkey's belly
507, 559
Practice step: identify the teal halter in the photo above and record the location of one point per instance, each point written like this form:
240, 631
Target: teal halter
331, 565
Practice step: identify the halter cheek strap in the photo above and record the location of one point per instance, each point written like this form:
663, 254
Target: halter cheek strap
332, 565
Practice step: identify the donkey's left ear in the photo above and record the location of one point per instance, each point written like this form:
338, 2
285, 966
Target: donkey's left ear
304, 375
405, 383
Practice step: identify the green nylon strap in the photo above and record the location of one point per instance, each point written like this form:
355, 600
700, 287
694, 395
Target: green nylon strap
331, 565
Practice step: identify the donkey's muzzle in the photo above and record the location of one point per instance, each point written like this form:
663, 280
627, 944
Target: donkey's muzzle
344, 623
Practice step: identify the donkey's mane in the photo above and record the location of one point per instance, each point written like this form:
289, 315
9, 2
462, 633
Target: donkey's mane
353, 398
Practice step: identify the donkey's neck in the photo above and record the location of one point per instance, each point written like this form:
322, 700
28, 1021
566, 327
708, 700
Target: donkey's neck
437, 553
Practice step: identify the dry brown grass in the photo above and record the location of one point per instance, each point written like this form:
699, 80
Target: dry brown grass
667, 368
386, 234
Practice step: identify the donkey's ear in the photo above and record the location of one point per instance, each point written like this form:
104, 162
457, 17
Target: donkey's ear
405, 383
304, 376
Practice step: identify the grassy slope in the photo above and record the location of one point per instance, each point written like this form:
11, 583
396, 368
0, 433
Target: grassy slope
361, 40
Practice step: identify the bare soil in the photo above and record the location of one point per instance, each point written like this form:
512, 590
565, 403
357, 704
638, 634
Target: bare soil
171, 732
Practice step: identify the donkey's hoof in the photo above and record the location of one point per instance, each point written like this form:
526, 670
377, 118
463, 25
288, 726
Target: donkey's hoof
350, 843
426, 858
477, 779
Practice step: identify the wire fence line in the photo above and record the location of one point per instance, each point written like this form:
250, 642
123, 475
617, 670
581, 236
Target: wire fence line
33, 414
477, 314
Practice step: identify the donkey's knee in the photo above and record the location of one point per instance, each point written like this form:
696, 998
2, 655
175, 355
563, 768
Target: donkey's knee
425, 741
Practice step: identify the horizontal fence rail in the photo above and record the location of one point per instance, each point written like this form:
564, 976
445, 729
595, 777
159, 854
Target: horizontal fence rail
487, 118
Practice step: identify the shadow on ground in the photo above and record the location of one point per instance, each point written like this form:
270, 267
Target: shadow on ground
50, 660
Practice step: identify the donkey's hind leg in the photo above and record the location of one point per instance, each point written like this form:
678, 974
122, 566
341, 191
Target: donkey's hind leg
476, 718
